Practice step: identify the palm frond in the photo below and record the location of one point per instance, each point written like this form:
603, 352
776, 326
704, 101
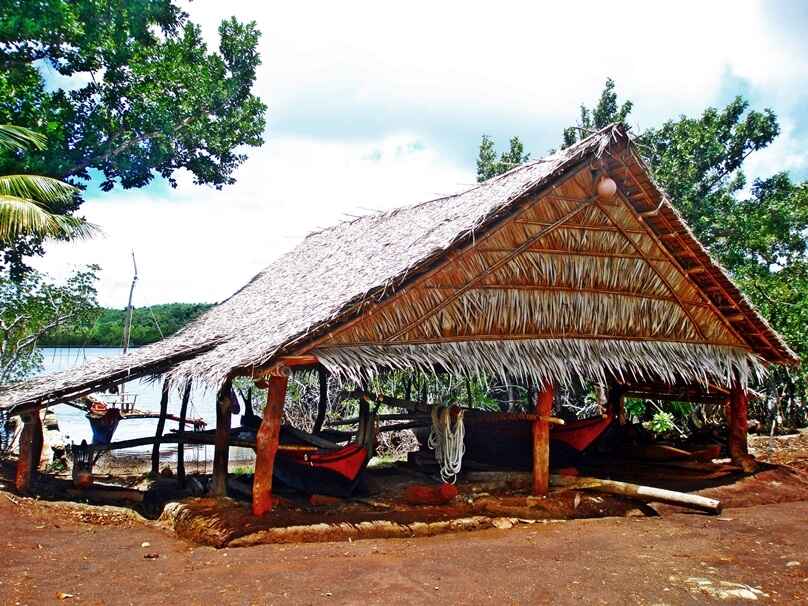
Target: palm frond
19, 138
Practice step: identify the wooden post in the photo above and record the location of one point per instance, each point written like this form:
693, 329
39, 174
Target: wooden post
221, 448
267, 444
186, 395
737, 446
323, 402
541, 441
161, 425
25, 462
37, 441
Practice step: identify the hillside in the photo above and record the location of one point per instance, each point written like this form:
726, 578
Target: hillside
149, 324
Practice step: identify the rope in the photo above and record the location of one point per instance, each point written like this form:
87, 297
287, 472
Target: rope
446, 439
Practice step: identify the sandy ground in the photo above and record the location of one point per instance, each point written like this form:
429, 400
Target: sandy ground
755, 551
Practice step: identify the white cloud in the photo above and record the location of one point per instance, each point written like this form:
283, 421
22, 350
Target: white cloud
373, 105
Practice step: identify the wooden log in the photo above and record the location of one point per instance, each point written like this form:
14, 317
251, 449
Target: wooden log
267, 444
738, 429
541, 441
106, 494
161, 424
644, 493
221, 448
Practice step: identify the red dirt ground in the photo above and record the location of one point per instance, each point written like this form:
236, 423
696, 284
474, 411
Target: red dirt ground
755, 551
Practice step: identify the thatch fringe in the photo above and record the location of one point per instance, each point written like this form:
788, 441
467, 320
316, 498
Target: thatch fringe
560, 360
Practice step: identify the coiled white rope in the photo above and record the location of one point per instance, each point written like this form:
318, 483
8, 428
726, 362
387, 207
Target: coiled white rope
446, 439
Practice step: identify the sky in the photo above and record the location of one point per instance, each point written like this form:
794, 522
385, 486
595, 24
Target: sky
373, 105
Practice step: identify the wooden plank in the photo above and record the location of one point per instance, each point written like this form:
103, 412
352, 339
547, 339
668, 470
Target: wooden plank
267, 444
541, 441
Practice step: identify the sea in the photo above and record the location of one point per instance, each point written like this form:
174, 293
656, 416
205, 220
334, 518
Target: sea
75, 427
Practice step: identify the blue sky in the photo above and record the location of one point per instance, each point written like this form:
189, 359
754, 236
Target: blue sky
373, 105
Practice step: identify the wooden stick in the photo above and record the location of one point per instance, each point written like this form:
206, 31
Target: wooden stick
645, 493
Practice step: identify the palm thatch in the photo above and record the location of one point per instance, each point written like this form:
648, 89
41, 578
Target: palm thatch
531, 273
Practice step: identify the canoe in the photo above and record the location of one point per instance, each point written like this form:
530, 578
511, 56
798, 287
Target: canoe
330, 472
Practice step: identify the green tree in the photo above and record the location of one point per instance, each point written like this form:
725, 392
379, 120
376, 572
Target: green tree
488, 165
698, 162
27, 201
32, 308
124, 90
603, 114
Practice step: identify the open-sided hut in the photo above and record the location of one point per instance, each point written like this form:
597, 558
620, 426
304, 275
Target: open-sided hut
536, 273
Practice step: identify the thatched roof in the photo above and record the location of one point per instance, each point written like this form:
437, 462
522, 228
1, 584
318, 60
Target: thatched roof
530, 273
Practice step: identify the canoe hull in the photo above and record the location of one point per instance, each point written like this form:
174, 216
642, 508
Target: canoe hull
334, 473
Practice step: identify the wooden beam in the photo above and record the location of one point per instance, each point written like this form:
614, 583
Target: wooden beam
221, 448
541, 441
267, 444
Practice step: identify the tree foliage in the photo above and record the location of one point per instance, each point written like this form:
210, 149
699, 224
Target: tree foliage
34, 307
125, 90
27, 201
488, 165
604, 113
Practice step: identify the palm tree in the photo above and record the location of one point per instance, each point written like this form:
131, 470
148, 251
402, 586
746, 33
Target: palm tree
27, 201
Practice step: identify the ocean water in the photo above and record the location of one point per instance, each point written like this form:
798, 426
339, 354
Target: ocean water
75, 427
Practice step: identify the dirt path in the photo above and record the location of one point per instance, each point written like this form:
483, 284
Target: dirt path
748, 554
756, 551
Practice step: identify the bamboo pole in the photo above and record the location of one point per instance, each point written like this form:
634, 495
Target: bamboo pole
541, 441
221, 449
267, 444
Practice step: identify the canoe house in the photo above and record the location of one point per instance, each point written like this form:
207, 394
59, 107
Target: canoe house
571, 266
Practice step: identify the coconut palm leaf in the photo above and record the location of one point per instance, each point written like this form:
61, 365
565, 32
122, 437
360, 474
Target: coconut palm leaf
28, 203
19, 138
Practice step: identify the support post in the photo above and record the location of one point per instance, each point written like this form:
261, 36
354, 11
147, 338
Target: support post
323, 402
25, 460
221, 444
737, 443
267, 444
161, 425
37, 441
186, 395
541, 441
